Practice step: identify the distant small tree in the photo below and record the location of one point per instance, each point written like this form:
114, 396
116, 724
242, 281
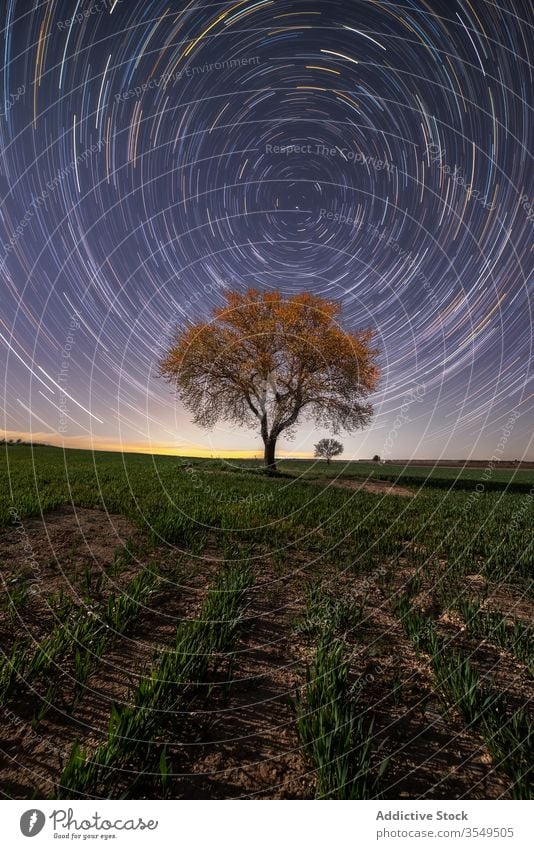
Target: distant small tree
376, 458
328, 448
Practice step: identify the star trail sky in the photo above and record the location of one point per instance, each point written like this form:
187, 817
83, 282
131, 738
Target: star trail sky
378, 153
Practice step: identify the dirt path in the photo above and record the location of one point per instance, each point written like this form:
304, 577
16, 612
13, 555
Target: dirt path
375, 486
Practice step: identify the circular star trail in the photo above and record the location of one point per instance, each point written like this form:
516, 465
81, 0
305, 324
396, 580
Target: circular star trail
377, 153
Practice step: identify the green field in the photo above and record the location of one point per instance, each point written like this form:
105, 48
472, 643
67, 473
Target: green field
443, 477
195, 629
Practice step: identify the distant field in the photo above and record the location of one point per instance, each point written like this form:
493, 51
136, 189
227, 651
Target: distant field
442, 476
194, 629
516, 480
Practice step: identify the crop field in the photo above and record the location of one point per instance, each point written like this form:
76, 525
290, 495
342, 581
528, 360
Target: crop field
447, 477
175, 628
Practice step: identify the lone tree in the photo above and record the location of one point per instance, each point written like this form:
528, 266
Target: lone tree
328, 448
265, 360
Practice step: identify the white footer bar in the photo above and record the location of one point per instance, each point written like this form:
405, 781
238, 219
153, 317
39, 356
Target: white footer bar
268, 824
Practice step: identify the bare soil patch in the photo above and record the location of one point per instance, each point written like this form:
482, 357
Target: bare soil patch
377, 487
51, 548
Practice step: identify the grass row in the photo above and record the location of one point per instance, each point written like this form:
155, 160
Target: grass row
199, 648
334, 729
82, 636
508, 734
506, 632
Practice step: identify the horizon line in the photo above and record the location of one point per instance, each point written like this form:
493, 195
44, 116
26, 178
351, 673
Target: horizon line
206, 454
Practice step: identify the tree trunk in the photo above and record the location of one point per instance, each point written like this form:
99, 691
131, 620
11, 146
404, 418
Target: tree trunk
328, 461
269, 456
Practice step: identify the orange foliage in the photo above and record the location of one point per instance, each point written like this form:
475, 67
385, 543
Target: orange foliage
267, 360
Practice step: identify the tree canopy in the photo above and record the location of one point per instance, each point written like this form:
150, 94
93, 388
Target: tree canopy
267, 360
328, 448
